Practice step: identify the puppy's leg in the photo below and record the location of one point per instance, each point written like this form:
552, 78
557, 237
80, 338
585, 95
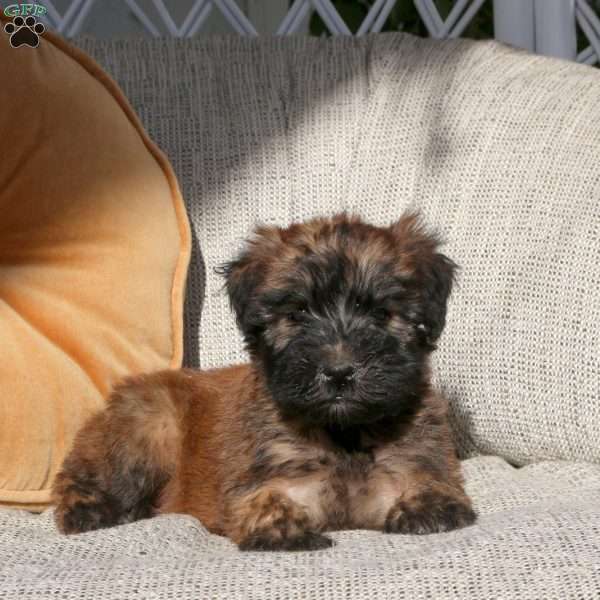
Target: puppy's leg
422, 478
122, 458
433, 508
268, 519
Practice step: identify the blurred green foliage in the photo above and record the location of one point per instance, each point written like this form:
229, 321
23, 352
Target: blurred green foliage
404, 17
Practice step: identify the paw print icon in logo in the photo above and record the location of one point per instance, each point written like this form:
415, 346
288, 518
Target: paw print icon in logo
24, 32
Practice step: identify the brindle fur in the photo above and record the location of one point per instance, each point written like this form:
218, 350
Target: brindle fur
274, 453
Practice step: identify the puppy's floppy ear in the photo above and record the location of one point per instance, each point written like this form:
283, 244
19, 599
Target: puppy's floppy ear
438, 279
434, 272
244, 277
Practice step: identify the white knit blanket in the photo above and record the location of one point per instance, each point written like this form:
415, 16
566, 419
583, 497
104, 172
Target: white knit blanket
501, 152
537, 538
499, 149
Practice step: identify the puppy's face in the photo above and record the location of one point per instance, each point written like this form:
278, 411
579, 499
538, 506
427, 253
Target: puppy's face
341, 315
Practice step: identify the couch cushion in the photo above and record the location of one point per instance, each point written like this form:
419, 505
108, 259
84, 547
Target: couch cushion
94, 246
537, 537
500, 150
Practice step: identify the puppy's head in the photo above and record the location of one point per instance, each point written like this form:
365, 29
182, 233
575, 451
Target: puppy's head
341, 315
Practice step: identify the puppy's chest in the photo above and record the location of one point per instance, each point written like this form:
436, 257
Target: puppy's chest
341, 485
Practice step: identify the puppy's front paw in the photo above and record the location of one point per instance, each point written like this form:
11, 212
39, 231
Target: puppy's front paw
269, 520
429, 512
266, 540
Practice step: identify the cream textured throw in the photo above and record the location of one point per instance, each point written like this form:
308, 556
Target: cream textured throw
501, 150
537, 539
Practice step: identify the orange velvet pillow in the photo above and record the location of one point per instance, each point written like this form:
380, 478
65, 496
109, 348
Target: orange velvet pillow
94, 249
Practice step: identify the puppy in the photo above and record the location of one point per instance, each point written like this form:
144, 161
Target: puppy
332, 425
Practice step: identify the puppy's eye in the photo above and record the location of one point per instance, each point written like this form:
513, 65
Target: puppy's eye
297, 315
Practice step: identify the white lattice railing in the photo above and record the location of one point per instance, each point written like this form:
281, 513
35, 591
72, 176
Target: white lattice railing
590, 25
544, 26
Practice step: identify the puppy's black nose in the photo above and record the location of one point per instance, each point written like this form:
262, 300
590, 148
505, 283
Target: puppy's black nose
339, 375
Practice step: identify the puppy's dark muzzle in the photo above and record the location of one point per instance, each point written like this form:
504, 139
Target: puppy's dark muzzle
339, 376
